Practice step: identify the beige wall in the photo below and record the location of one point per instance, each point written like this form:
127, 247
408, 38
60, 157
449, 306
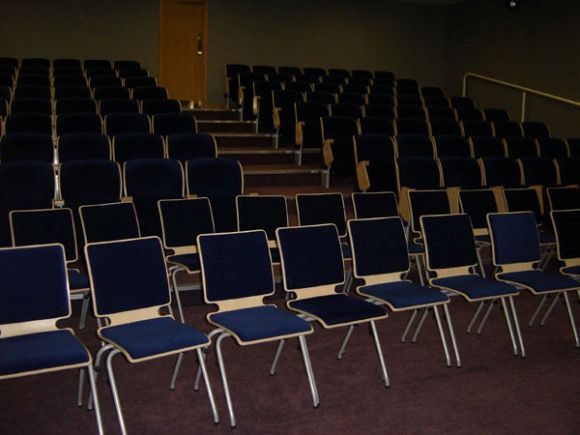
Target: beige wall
537, 46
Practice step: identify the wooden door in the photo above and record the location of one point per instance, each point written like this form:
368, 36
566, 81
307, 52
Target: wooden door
183, 49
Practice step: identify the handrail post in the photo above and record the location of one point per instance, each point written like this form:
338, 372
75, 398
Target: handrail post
464, 86
523, 111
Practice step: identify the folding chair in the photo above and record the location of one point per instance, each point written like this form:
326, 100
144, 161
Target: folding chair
451, 256
182, 220
129, 287
337, 134
117, 123
78, 123
565, 223
516, 251
153, 107
83, 146
49, 226
18, 147
563, 197
462, 172
31, 343
189, 146
131, 146
312, 268
380, 258
237, 276
374, 159
107, 222
374, 204
170, 123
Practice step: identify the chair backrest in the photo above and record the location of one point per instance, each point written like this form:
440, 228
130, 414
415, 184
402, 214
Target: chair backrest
414, 145
90, 182
214, 176
477, 203
311, 259
170, 123
514, 240
28, 123
235, 266
117, 123
568, 170
449, 244
463, 172
374, 204
525, 199
262, 212
153, 107
538, 171
75, 105
182, 220
130, 146
487, 146
501, 171
321, 208
44, 227
566, 224
128, 279
189, 146
451, 146
563, 197
105, 222
83, 146
17, 147
428, 202
552, 147
379, 249
417, 173
32, 292
78, 123
520, 147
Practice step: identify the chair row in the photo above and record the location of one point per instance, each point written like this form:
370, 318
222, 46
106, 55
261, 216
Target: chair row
80, 91
66, 63
111, 125
94, 79
106, 106
312, 266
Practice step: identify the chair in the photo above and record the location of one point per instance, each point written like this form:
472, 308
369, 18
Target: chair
462, 172
435, 101
444, 113
351, 110
231, 85
189, 146
139, 81
130, 146
573, 146
487, 146
538, 171
451, 146
374, 157
568, 170
445, 127
49, 226
262, 104
476, 128
493, 114
69, 123
414, 145
28, 123
105, 80
31, 343
283, 110
515, 252
431, 91
413, 110
33, 91
468, 114
451, 256
361, 73
507, 129
117, 123
89, 182
374, 204
96, 63
307, 120
376, 125
428, 202
477, 203
66, 63
126, 64
552, 147
536, 130
292, 70
18, 147
182, 220
103, 92
520, 147
108, 106
154, 107
170, 123
129, 287
76, 79
312, 268
337, 134
563, 197
380, 259
501, 171
380, 110
109, 221
83, 146
72, 91
350, 97
322, 208
24, 186
220, 179
412, 127
31, 105
416, 173
75, 105
149, 93
299, 86
237, 276
321, 97
565, 223
148, 180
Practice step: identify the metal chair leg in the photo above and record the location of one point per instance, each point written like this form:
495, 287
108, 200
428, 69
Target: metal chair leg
201, 362
484, 319
509, 325
475, 316
549, 310
309, 371
517, 326
571, 317
95, 395
114, 390
345, 341
538, 309
408, 327
176, 368
442, 335
97, 365
452, 334
176, 293
80, 388
84, 311
419, 326
222, 368
279, 350
380, 354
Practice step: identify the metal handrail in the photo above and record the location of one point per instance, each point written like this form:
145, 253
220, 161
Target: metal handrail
525, 91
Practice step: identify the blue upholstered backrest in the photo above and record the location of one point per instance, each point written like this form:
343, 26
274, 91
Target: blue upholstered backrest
563, 197
524, 199
262, 212
117, 123
28, 123
25, 182
566, 224
33, 284
311, 256
163, 105
374, 204
127, 275
214, 176
502, 171
338, 126
325, 208
451, 146
379, 246
552, 147
461, 172
418, 172
235, 265
129, 146
449, 241
569, 170
170, 123
90, 181
374, 147
43, 227
153, 178
414, 145
477, 203
514, 237
78, 123
538, 171
189, 146
83, 146
26, 146
487, 146
105, 222
424, 202
184, 219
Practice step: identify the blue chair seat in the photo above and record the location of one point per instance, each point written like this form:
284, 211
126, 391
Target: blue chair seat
572, 270
77, 280
475, 287
541, 281
404, 294
339, 309
260, 323
26, 353
189, 261
152, 337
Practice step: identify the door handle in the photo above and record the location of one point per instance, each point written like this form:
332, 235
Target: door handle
199, 45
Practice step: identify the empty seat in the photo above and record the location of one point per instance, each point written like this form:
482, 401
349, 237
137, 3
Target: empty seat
31, 105
96, 63
568, 170
75, 105
414, 145
451, 146
262, 104
66, 63
292, 70
417, 173
441, 113
563, 197
520, 147
412, 127
375, 162
18, 147
126, 64
326, 87
283, 111
103, 92
28, 123
536, 130
189, 146
493, 115
461, 102
69, 80
129, 146
434, 101
376, 125
154, 107
487, 146
117, 123
83, 146
501, 171
72, 92
468, 114
445, 127
78, 123
99, 81
538, 171
380, 110
407, 112
321, 97
149, 93
352, 98
463, 172
337, 134
232, 71
350, 110
476, 128
374, 204
507, 129
33, 80
85, 182
552, 147
170, 123
307, 118
108, 106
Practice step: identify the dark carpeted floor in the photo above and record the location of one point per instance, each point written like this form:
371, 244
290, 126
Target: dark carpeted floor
493, 393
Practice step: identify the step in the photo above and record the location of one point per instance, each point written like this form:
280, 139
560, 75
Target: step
216, 114
281, 175
266, 156
245, 140
222, 126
